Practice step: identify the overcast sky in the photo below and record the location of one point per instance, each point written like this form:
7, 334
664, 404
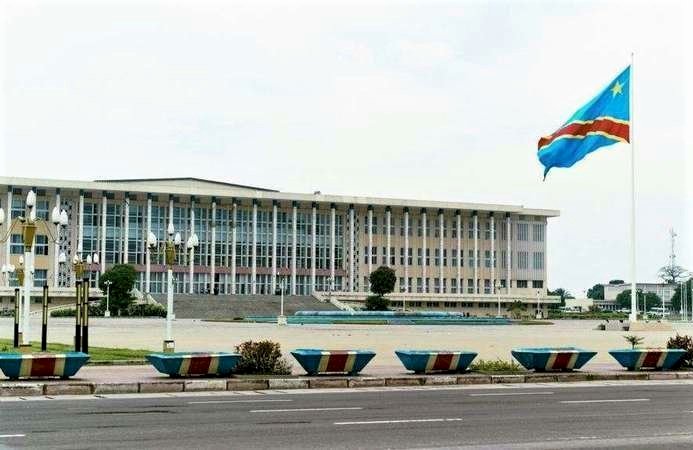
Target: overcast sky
426, 100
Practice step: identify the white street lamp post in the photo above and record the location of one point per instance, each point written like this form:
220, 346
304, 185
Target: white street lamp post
108, 283
281, 320
539, 314
498, 295
172, 242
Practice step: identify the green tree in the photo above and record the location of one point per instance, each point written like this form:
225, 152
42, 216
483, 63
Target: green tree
676, 298
122, 278
516, 309
562, 293
383, 281
596, 292
652, 300
377, 303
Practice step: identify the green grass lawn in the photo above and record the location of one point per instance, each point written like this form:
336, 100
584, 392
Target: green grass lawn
96, 353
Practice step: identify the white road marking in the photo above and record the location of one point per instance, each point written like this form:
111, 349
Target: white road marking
510, 393
614, 400
381, 422
304, 409
209, 402
11, 435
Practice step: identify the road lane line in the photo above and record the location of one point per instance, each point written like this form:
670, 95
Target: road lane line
211, 402
491, 394
11, 435
615, 400
304, 409
382, 422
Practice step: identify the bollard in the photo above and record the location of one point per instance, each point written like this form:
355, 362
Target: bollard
85, 316
78, 317
44, 325
16, 317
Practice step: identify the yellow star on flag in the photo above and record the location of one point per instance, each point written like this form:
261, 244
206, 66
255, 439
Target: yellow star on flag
616, 89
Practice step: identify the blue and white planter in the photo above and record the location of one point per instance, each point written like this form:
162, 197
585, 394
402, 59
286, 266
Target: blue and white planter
318, 361
42, 365
641, 358
183, 364
542, 359
426, 361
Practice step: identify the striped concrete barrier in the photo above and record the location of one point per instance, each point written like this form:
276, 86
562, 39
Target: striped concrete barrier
41, 365
315, 361
652, 358
426, 361
196, 363
543, 359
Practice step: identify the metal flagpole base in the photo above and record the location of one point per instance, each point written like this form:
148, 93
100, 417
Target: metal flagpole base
169, 346
281, 320
107, 313
25, 348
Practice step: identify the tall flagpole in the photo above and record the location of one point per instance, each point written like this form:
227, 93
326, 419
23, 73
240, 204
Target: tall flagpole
633, 294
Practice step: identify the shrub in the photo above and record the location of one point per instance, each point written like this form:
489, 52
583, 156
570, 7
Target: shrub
499, 365
262, 358
684, 342
94, 310
153, 310
634, 340
377, 303
122, 278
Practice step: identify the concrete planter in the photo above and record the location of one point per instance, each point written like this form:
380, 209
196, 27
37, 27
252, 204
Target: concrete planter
654, 358
543, 359
315, 361
41, 365
183, 364
425, 361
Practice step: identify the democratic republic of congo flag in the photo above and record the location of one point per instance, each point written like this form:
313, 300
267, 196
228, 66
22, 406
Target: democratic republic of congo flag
605, 120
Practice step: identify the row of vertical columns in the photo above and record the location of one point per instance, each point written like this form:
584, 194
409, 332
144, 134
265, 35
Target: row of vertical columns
56, 247
253, 262
234, 211
273, 287
213, 262
102, 259
313, 241
388, 217
333, 222
406, 249
476, 252
126, 230
352, 265
423, 250
508, 255
441, 230
493, 253
460, 256
294, 217
148, 263
370, 243
191, 250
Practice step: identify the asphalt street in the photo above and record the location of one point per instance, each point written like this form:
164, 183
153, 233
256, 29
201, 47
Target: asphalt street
605, 415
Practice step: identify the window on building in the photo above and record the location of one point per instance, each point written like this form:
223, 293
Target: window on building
538, 260
470, 255
365, 254
437, 257
419, 256
470, 286
428, 256
538, 284
419, 285
410, 256
384, 256
487, 258
453, 285
16, 244
538, 232
374, 256
453, 262
522, 231
40, 277
521, 284
392, 256
41, 245
401, 256
487, 286
522, 260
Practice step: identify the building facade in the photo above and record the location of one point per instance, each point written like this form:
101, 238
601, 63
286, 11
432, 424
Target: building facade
663, 290
251, 240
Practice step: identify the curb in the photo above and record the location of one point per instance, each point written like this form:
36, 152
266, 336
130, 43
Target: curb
50, 388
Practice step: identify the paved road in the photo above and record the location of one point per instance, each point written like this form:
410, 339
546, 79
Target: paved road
605, 415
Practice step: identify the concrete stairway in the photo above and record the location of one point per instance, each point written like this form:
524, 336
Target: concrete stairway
200, 306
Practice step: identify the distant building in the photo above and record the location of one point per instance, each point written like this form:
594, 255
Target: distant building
663, 290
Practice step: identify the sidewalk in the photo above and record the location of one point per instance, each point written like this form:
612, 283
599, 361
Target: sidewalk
97, 380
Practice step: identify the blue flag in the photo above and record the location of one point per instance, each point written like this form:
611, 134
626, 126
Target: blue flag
605, 120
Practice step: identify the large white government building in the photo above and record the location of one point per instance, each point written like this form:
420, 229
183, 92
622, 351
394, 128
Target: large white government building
251, 240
